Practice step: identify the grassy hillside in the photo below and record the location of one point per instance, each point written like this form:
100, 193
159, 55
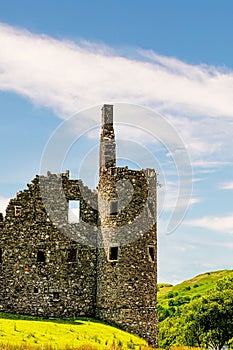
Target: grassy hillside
172, 298
60, 334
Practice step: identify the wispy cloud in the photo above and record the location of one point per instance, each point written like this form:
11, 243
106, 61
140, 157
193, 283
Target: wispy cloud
168, 194
227, 185
68, 76
210, 164
223, 224
208, 140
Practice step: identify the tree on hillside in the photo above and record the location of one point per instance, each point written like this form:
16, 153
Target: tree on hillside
208, 321
168, 332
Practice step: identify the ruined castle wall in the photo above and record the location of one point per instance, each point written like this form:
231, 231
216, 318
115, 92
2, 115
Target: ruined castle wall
104, 265
63, 282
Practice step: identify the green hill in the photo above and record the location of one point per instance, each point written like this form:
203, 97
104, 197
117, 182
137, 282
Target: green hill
172, 298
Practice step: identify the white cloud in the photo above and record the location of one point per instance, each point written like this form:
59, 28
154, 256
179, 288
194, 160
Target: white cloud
3, 204
67, 76
227, 186
210, 164
168, 196
222, 224
208, 140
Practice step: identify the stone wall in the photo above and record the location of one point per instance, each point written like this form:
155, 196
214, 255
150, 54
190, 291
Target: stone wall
63, 283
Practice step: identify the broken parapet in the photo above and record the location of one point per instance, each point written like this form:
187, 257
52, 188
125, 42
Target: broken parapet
43, 271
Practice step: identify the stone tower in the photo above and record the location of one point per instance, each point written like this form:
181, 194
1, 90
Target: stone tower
126, 258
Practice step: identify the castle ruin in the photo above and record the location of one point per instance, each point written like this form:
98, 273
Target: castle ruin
103, 265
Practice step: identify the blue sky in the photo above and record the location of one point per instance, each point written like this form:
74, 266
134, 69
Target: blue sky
58, 58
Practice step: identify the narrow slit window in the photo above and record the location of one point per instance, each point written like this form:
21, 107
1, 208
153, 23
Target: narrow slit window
74, 212
36, 290
150, 209
41, 256
0, 255
112, 171
113, 254
114, 208
151, 253
18, 210
71, 255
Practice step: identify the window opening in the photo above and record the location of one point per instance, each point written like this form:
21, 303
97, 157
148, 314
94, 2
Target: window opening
112, 170
18, 210
36, 290
71, 255
113, 254
151, 209
40, 256
114, 208
74, 212
151, 251
56, 296
0, 255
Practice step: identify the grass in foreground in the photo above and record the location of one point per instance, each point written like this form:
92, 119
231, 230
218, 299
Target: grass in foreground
41, 347
30, 334
84, 347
